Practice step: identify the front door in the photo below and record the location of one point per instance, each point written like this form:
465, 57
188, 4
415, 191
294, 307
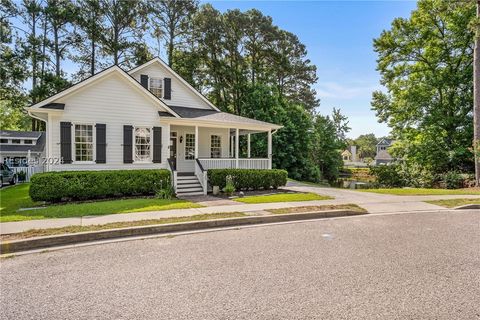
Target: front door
173, 149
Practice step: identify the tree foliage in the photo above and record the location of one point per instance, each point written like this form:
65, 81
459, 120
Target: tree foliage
426, 65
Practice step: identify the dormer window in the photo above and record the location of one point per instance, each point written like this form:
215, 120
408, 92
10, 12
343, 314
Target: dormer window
27, 141
156, 86
3, 140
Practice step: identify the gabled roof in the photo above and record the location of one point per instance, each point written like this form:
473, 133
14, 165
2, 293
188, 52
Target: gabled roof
385, 142
49, 102
176, 75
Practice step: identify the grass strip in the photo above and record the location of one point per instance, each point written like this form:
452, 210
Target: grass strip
115, 225
452, 203
282, 197
350, 207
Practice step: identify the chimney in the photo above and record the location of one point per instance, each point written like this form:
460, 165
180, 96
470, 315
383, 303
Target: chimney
353, 150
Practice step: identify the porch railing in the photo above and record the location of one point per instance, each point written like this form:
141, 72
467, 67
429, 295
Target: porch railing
29, 171
243, 163
201, 174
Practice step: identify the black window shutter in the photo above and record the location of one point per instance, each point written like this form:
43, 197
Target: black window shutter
144, 81
168, 88
66, 141
127, 144
157, 144
101, 143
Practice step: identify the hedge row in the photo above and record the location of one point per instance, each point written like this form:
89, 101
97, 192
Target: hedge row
248, 178
82, 185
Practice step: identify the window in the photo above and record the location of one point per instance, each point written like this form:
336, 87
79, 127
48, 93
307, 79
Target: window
156, 87
190, 146
17, 141
27, 141
142, 145
215, 146
3, 140
83, 142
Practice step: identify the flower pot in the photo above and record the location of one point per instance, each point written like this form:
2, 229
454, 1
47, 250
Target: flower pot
216, 190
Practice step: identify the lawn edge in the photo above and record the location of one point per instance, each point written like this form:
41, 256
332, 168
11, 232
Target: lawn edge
9, 247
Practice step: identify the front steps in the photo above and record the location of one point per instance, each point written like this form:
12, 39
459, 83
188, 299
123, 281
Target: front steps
188, 185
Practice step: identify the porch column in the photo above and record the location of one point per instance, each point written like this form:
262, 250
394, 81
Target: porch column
248, 145
236, 148
196, 142
269, 149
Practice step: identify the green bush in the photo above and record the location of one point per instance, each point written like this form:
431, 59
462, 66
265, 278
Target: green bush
244, 179
453, 180
82, 185
387, 176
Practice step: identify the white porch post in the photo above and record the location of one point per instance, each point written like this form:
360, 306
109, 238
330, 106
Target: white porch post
236, 147
269, 149
196, 142
248, 145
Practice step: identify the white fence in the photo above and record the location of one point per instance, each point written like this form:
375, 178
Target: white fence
226, 163
29, 171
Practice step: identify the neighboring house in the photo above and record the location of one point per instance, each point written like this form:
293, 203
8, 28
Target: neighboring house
146, 118
383, 157
21, 148
351, 159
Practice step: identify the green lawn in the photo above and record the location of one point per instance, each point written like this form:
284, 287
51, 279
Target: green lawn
422, 192
452, 203
351, 207
14, 198
114, 225
282, 197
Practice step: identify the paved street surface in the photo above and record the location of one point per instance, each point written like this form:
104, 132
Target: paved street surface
398, 266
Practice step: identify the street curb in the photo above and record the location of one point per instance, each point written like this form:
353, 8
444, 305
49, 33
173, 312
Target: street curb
468, 206
7, 247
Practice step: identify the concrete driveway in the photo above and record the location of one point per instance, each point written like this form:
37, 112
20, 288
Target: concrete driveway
375, 202
396, 266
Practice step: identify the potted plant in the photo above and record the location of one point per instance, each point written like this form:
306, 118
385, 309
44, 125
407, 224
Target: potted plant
229, 186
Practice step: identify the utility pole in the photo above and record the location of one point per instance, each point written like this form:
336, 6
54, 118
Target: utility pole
476, 98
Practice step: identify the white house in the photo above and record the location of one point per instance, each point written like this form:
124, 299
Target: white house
146, 118
383, 157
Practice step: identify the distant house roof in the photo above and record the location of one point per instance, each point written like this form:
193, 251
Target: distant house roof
212, 115
20, 134
346, 152
38, 147
385, 142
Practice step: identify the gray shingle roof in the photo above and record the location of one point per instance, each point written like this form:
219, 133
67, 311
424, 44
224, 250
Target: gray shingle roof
213, 115
53, 105
38, 147
20, 134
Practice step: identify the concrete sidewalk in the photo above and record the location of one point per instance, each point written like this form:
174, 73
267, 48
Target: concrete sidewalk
372, 202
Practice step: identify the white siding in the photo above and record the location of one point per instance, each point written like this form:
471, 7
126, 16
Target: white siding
114, 102
203, 144
181, 95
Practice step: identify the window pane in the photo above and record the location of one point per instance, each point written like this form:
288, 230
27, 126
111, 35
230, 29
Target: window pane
156, 87
190, 146
215, 146
142, 144
83, 142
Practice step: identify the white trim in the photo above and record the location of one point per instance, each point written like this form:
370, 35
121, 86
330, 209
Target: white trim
134, 144
94, 142
176, 75
191, 122
159, 103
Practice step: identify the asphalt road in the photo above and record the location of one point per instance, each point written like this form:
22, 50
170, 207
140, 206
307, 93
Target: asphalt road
405, 266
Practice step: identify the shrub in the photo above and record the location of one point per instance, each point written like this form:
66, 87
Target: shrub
166, 190
387, 176
82, 185
229, 186
452, 180
254, 179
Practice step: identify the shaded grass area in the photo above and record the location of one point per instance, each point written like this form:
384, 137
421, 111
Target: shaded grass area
282, 197
423, 191
351, 207
115, 225
452, 203
14, 198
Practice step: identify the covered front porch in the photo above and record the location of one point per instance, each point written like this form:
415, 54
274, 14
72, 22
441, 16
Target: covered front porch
197, 145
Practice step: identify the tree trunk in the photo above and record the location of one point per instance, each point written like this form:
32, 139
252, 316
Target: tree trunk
476, 100
170, 48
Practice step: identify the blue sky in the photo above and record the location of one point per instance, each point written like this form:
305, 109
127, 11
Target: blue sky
338, 36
